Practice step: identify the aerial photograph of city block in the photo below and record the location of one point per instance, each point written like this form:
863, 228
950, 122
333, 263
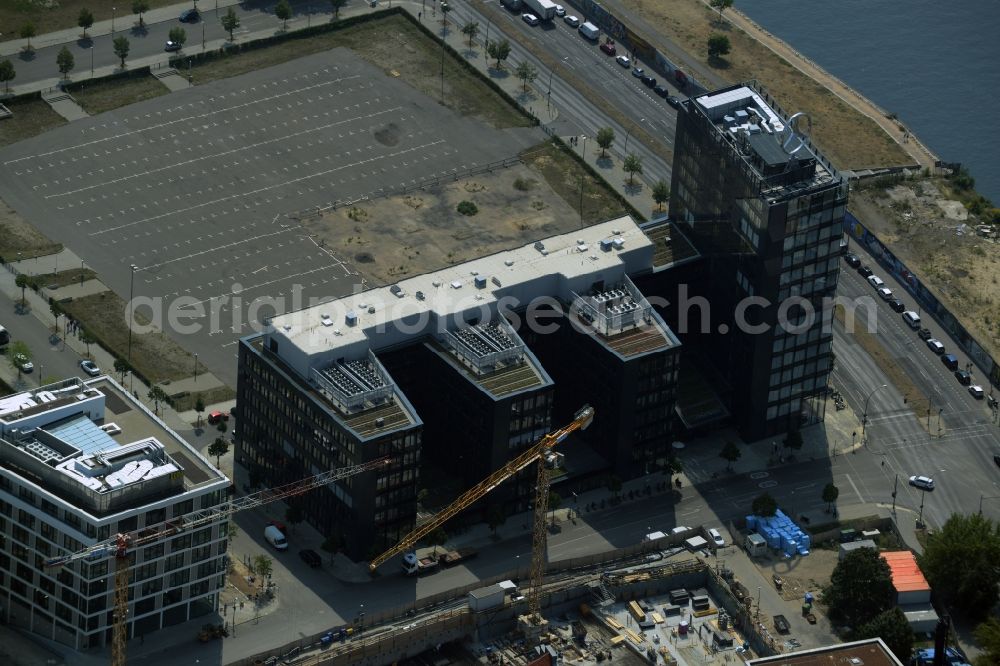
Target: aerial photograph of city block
470, 332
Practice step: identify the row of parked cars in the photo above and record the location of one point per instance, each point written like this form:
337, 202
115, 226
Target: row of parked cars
912, 320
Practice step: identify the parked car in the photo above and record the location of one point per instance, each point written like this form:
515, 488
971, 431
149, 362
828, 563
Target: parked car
935, 346
648, 81
679, 529
996, 460
976, 391
674, 102
716, 537
624, 61
216, 417
609, 47
963, 377
950, 361
189, 16
90, 367
897, 305
922, 482
852, 260
661, 91
885, 293
530, 19
311, 557
875, 281
560, 10
572, 21
924, 334
171, 45
864, 271
638, 72
23, 364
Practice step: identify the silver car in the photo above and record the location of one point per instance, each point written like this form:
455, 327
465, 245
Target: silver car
922, 482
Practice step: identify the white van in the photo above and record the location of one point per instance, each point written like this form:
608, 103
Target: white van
275, 537
912, 319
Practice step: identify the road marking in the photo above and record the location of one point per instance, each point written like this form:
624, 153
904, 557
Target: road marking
856, 491
760, 475
767, 484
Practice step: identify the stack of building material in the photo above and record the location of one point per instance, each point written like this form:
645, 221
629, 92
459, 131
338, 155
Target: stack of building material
781, 533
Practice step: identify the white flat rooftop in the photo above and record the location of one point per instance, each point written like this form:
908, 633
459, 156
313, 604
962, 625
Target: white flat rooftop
441, 300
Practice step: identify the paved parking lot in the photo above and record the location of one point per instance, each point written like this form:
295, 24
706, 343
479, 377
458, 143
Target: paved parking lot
196, 188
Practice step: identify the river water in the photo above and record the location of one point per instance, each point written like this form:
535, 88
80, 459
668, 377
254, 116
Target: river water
936, 65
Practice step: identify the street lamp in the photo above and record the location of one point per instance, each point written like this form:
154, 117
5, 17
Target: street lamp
627, 133
112, 21
196, 366
91, 61
131, 313
864, 416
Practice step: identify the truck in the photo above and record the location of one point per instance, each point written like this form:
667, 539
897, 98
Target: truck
453, 557
512, 5
420, 562
545, 10
590, 31
486, 598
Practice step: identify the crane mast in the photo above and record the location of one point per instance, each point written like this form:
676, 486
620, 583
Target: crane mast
581, 421
120, 544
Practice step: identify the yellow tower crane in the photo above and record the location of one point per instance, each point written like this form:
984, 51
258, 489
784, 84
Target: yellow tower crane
581, 421
120, 544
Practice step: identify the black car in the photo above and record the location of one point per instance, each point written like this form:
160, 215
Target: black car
963, 377
648, 81
661, 91
897, 305
996, 459
864, 271
674, 102
189, 16
924, 334
852, 260
311, 557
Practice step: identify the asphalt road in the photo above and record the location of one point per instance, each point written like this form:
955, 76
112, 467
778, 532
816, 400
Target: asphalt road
53, 361
961, 459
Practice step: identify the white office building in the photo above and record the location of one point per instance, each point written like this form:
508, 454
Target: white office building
81, 461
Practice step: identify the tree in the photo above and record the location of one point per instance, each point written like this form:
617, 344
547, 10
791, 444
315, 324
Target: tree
179, 35
830, 494
263, 566
527, 73
28, 30
17, 351
157, 395
121, 48
495, 517
615, 484
793, 440
730, 453
56, 312
22, 281
437, 537
718, 45
974, 541
283, 11
720, 5
65, 61
633, 165
860, 588
661, 193
140, 7
336, 5
555, 501
199, 407
470, 30
671, 467
294, 515
605, 137
218, 448
87, 339
230, 21
332, 544
893, 628
499, 50
7, 74
764, 505
122, 367
988, 637
85, 20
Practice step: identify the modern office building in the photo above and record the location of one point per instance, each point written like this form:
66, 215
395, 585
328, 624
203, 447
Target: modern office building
452, 373
765, 211
81, 461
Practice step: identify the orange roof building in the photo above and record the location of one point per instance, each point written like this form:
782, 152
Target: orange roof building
909, 582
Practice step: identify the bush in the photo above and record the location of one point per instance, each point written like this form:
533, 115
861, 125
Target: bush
467, 208
523, 184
